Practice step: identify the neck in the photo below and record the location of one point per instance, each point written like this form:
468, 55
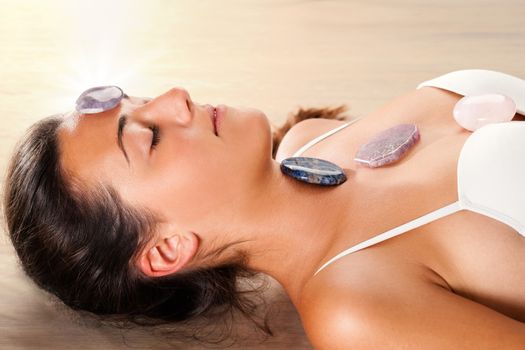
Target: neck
295, 226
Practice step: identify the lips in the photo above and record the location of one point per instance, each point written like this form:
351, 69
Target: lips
212, 111
214, 120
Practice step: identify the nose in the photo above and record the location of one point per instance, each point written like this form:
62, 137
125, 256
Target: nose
174, 105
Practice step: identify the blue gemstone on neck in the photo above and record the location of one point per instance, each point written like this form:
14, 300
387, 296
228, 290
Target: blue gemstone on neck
313, 170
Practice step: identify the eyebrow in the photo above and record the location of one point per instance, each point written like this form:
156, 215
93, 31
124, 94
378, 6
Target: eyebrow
122, 120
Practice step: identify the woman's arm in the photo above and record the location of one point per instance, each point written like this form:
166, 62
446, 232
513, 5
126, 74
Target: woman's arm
427, 318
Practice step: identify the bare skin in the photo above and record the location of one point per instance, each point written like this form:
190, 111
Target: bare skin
464, 256
209, 189
216, 189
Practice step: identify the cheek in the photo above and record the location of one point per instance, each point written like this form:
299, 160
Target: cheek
195, 176
206, 188
204, 177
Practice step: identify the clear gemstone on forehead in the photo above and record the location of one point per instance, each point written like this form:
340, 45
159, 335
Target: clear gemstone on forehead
99, 99
106, 94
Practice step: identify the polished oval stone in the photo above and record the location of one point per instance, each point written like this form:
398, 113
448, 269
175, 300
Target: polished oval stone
473, 112
313, 170
388, 146
99, 99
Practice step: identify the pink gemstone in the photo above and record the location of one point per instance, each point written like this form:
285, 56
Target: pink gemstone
473, 112
388, 146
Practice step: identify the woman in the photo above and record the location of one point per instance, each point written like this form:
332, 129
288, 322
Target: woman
152, 209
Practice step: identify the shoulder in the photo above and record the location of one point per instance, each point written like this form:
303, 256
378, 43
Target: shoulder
302, 132
386, 313
345, 308
334, 318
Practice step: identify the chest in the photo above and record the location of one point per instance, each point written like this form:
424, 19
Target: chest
475, 256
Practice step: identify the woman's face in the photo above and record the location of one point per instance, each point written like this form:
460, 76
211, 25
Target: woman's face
192, 177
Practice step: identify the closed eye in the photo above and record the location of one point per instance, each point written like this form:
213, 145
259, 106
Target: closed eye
156, 136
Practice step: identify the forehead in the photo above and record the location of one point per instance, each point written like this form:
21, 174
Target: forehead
88, 145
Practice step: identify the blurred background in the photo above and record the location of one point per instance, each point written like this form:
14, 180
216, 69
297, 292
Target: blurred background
274, 55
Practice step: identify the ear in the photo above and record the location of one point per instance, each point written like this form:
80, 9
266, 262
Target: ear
169, 254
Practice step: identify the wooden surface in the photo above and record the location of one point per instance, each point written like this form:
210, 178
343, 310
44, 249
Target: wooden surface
272, 55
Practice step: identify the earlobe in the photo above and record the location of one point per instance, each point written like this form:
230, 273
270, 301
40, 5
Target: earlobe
169, 255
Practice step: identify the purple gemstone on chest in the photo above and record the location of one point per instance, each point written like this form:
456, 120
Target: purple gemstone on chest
388, 146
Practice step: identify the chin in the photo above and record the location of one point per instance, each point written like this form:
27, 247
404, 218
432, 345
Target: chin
264, 138
255, 141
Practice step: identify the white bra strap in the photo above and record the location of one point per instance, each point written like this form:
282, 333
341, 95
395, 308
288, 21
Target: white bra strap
422, 220
323, 136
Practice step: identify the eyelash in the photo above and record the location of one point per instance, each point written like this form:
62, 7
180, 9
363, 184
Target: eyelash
156, 138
